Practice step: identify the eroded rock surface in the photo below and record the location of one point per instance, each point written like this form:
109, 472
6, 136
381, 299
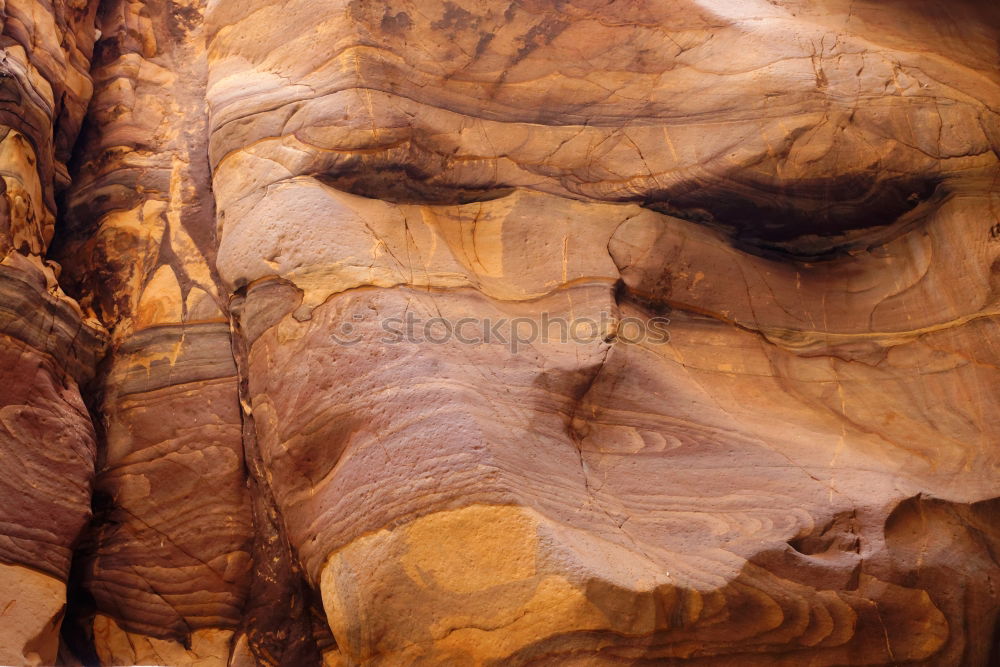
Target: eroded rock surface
168, 555
48, 347
482, 333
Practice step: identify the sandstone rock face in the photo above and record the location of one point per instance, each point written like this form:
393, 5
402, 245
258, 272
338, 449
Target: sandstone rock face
164, 559
500, 333
48, 347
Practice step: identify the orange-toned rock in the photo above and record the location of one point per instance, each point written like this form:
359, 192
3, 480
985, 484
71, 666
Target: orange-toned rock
500, 333
167, 560
49, 348
804, 190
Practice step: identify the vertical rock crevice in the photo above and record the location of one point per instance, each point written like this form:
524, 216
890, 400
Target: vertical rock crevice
279, 616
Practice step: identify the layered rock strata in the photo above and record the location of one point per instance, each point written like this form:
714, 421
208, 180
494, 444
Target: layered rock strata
48, 347
792, 185
165, 565
480, 333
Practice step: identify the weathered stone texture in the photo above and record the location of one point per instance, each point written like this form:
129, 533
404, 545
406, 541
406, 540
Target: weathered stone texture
798, 462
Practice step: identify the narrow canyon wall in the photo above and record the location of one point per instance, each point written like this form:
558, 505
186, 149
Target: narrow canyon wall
500, 333
167, 557
49, 348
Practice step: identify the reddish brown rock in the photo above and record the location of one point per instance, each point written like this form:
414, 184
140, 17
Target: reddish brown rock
481, 333
816, 224
167, 560
48, 347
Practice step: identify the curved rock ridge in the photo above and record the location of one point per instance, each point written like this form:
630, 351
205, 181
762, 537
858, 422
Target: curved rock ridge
615, 474
499, 333
724, 496
778, 122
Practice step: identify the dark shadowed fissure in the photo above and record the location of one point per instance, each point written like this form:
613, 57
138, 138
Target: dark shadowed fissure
282, 618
